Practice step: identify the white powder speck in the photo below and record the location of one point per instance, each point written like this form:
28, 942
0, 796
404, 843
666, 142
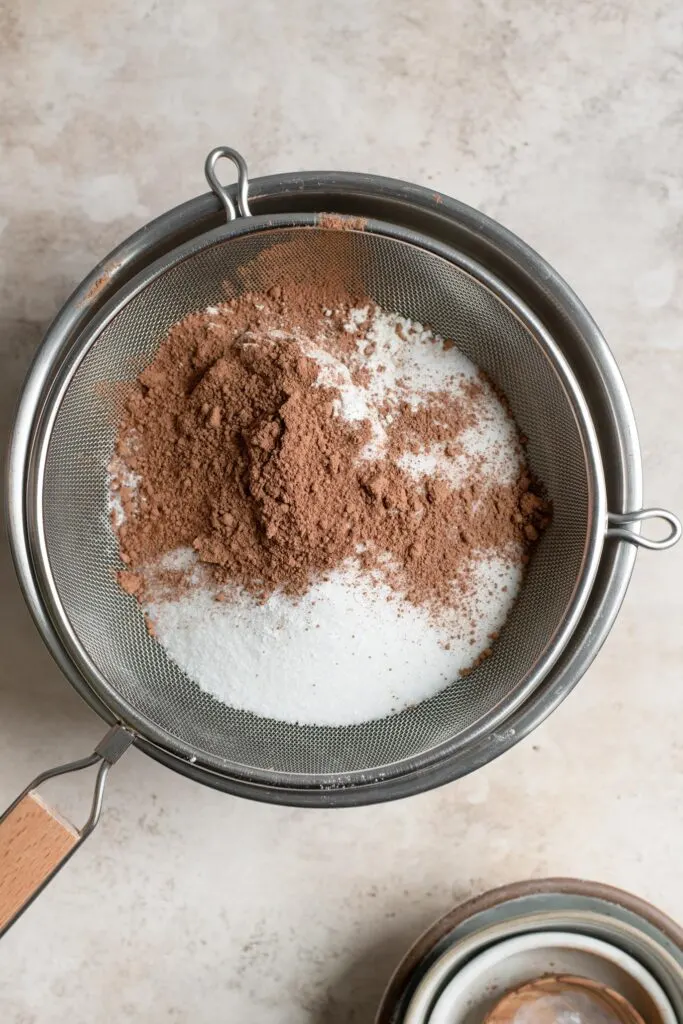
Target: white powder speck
119, 474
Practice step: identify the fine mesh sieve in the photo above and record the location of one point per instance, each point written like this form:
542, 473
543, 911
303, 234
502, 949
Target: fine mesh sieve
104, 629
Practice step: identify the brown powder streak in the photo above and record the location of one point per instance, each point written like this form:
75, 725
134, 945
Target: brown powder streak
342, 222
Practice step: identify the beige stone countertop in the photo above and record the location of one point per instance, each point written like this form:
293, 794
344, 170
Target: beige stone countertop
563, 121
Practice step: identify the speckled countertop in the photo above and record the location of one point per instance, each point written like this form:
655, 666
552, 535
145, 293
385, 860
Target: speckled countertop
565, 122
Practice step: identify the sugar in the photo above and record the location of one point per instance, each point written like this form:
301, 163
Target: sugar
408, 363
346, 652
495, 450
415, 359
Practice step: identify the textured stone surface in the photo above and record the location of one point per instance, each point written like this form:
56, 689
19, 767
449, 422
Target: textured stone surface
565, 122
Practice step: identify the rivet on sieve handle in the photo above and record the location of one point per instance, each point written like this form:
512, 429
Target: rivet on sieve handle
619, 523
242, 181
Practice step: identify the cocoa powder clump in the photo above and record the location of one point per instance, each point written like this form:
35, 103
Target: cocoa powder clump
241, 454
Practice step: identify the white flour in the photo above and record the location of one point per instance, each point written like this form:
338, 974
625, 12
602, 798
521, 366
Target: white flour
350, 649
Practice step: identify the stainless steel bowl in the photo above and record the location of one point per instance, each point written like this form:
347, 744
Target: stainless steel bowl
547, 296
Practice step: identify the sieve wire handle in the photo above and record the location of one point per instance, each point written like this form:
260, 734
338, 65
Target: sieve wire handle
618, 524
226, 152
35, 842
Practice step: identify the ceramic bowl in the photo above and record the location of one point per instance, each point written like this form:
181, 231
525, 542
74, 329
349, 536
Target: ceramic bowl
474, 989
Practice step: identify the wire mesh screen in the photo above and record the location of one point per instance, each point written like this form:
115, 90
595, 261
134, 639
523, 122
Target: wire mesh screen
83, 554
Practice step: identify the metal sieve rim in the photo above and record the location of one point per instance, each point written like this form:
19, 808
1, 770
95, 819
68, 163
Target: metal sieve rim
171, 744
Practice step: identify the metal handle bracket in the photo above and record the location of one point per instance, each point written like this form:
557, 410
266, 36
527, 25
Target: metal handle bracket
618, 524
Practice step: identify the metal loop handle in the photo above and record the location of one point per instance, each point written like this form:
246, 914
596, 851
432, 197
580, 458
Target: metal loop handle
242, 181
619, 522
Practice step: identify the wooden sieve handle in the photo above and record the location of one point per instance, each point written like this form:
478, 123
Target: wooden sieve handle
34, 843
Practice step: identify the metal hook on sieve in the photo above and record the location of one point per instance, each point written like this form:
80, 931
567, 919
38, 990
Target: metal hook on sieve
35, 843
242, 181
619, 523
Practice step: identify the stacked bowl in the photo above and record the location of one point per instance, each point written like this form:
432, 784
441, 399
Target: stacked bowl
557, 949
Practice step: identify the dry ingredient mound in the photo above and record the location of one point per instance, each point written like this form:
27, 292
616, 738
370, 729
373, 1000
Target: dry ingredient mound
246, 440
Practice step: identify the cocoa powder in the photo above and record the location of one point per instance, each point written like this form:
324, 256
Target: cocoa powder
342, 222
241, 455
